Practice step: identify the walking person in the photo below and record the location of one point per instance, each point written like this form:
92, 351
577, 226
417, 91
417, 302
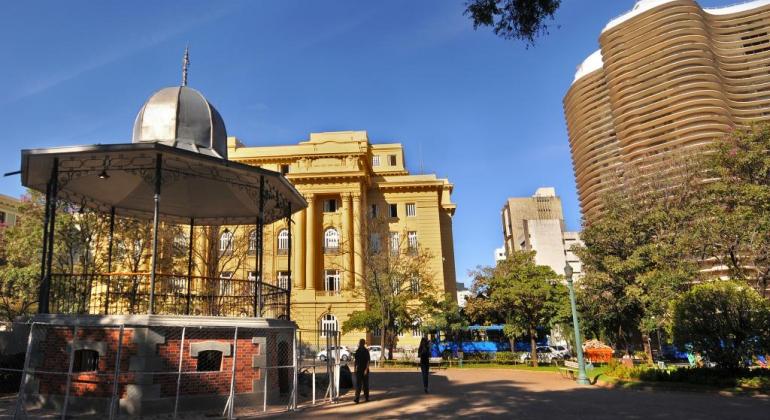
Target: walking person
424, 353
362, 370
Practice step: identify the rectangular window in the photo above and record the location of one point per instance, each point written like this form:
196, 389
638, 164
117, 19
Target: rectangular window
374, 211
411, 238
332, 281
283, 279
330, 205
284, 169
394, 242
2, 217
393, 210
411, 209
225, 285
375, 160
416, 332
374, 243
392, 160
415, 285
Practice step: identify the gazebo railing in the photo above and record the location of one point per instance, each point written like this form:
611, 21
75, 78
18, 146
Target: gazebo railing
175, 294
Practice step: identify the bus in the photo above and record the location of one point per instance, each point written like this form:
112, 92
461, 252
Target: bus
476, 339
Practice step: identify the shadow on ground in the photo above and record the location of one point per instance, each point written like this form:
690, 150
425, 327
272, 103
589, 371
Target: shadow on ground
529, 395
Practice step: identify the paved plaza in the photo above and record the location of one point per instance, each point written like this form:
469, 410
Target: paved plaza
516, 394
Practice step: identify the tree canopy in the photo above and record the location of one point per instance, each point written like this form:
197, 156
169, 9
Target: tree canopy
519, 293
727, 321
513, 19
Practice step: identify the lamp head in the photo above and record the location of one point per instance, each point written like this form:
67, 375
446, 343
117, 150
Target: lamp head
568, 271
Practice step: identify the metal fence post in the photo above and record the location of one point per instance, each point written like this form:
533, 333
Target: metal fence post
264, 391
232, 377
294, 379
69, 372
23, 383
313, 383
179, 372
116, 378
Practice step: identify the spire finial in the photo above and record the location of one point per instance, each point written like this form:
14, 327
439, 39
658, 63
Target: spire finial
185, 65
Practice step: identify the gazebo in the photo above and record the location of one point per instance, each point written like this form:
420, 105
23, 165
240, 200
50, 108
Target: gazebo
124, 328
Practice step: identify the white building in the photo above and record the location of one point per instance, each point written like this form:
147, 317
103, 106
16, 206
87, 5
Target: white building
499, 254
537, 224
462, 294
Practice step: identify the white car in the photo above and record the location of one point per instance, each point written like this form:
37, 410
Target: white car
375, 352
545, 354
323, 355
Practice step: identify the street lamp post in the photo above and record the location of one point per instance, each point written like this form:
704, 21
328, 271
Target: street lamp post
582, 379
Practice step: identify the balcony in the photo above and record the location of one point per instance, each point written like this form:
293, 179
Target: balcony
129, 293
331, 250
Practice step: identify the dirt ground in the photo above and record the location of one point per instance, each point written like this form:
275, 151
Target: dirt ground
516, 394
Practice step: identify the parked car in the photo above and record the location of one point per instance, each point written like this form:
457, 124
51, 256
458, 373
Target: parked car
375, 352
545, 354
562, 351
345, 355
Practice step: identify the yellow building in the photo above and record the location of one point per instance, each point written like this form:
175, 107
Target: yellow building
669, 76
346, 179
9, 210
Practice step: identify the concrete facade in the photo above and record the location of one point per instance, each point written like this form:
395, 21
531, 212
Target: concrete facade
669, 78
537, 224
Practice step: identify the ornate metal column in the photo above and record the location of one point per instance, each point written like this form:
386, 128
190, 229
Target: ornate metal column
260, 229
288, 263
48, 229
155, 221
109, 260
190, 263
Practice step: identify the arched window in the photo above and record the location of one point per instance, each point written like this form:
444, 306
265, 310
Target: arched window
329, 325
253, 241
226, 242
283, 241
331, 240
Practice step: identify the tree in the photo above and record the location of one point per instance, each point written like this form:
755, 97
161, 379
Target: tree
21, 252
521, 293
396, 282
725, 320
642, 252
738, 220
513, 19
443, 315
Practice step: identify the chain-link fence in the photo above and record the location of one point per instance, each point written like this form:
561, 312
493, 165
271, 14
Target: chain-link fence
121, 371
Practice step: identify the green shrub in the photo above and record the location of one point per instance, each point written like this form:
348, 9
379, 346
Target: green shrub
507, 357
726, 321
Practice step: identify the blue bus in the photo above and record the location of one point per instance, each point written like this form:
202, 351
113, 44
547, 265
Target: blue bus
478, 339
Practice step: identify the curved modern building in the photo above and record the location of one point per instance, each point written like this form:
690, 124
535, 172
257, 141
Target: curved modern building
669, 76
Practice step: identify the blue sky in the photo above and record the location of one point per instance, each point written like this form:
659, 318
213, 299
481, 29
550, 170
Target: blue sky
486, 113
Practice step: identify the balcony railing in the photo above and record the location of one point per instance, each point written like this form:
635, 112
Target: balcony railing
331, 250
129, 293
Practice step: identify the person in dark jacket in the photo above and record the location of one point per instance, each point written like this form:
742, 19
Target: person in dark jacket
423, 352
362, 370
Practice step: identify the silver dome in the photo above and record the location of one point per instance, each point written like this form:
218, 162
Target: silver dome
181, 117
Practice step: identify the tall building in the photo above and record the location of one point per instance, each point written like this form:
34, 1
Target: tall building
499, 254
9, 210
669, 76
347, 181
537, 224
462, 294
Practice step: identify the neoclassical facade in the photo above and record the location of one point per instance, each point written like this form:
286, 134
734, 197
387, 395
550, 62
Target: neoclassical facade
670, 76
345, 180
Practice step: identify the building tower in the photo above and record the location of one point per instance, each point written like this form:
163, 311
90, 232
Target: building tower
669, 77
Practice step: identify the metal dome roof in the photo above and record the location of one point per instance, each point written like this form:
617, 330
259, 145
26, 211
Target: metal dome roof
181, 117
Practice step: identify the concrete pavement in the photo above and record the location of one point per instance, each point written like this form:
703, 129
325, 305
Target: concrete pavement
518, 394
